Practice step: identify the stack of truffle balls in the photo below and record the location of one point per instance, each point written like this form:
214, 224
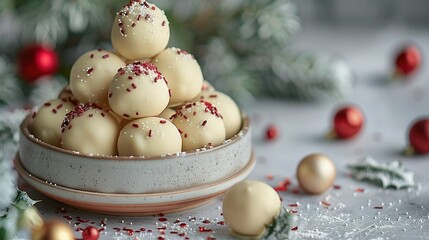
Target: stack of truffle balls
141, 99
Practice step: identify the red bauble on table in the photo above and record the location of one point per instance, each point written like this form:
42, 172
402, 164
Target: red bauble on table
407, 61
90, 233
348, 122
271, 133
419, 136
35, 61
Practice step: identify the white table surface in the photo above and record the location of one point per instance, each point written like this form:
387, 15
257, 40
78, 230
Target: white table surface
389, 108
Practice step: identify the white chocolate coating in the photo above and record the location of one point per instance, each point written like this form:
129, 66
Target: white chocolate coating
149, 137
182, 72
249, 206
46, 123
227, 108
138, 90
67, 95
91, 75
168, 114
207, 86
200, 125
140, 31
90, 130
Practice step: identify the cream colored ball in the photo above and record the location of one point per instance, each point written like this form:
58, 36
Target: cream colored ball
90, 130
200, 125
316, 173
228, 109
46, 122
138, 90
92, 74
149, 137
182, 72
168, 114
140, 31
249, 206
53, 230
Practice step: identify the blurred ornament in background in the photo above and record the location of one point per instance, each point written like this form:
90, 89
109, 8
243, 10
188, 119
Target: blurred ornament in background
407, 61
419, 137
347, 123
35, 61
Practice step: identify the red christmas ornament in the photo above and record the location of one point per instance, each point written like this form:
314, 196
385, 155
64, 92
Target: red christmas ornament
348, 122
407, 61
90, 233
272, 132
419, 136
36, 61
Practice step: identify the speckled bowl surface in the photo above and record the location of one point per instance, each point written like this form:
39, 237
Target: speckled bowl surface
133, 175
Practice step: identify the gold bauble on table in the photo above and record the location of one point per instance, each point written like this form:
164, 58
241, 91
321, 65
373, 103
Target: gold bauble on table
53, 230
316, 173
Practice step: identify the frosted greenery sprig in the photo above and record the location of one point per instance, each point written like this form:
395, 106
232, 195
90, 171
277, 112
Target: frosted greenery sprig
385, 174
281, 226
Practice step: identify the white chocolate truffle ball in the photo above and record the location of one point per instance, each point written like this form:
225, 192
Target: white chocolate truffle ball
67, 95
168, 114
249, 206
91, 75
138, 90
140, 31
46, 123
90, 130
316, 173
200, 125
182, 72
207, 87
227, 108
149, 137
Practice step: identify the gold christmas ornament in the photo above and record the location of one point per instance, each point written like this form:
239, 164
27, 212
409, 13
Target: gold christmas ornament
53, 230
250, 206
316, 173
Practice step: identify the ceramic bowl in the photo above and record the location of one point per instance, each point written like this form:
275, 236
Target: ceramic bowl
133, 175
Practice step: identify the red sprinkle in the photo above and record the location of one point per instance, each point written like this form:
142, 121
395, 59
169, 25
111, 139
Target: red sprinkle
110, 95
54, 111
162, 219
133, 25
150, 133
293, 205
337, 187
91, 115
90, 70
163, 23
34, 115
133, 85
361, 190
378, 207
59, 106
186, 135
183, 225
135, 125
206, 221
204, 122
47, 104
103, 115
294, 228
106, 56
130, 77
162, 121
326, 203
92, 55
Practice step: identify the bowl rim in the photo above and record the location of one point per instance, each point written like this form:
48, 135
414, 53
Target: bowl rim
245, 126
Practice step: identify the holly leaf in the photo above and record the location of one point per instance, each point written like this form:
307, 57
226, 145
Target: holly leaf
17, 215
280, 227
385, 174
